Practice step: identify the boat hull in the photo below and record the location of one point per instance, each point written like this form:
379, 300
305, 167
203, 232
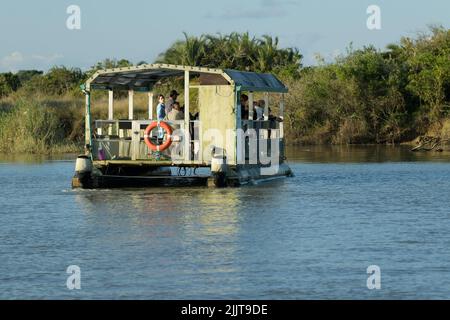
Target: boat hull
234, 177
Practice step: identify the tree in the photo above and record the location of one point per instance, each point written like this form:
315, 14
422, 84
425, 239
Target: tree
429, 76
5, 88
9, 82
26, 75
61, 80
108, 64
234, 51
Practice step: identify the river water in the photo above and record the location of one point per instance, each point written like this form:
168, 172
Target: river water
312, 236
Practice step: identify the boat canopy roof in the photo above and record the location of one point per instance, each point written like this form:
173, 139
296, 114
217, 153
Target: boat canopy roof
144, 77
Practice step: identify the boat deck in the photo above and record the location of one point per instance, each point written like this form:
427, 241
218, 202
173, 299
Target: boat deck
160, 163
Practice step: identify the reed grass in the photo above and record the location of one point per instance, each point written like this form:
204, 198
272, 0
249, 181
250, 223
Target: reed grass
36, 127
42, 124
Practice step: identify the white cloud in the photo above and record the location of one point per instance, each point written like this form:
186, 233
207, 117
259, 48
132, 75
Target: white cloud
16, 61
12, 59
47, 59
262, 13
267, 9
306, 39
278, 3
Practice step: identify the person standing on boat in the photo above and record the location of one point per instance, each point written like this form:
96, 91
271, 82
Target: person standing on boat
259, 110
244, 107
161, 108
172, 99
161, 114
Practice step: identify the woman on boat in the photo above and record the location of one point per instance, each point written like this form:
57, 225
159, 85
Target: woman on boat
161, 114
161, 108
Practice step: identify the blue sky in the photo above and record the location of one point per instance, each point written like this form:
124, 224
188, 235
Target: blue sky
33, 34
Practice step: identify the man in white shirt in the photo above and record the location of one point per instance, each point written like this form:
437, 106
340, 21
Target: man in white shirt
259, 108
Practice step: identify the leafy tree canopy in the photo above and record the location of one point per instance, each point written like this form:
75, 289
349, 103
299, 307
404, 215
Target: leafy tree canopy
234, 51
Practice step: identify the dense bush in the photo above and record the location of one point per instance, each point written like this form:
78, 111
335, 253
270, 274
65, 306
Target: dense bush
9, 82
374, 96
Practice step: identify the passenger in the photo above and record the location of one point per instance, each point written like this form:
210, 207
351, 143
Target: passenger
161, 114
161, 108
176, 113
195, 116
273, 122
274, 118
259, 110
244, 107
255, 104
172, 99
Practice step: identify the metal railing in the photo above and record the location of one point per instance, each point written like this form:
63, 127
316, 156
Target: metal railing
266, 131
124, 140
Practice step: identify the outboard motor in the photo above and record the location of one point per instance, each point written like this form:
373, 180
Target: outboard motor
219, 167
83, 171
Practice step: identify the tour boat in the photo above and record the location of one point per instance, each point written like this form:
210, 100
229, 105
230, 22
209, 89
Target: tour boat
224, 145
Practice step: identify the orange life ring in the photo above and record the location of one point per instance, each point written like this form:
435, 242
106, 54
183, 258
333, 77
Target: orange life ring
149, 129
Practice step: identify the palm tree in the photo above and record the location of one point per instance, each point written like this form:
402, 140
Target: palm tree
194, 50
233, 51
243, 49
266, 53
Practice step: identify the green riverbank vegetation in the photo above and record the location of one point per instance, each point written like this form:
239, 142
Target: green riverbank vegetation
365, 96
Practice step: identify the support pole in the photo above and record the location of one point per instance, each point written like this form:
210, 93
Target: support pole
150, 105
250, 109
238, 148
88, 134
110, 111
130, 104
110, 105
266, 107
282, 116
187, 136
